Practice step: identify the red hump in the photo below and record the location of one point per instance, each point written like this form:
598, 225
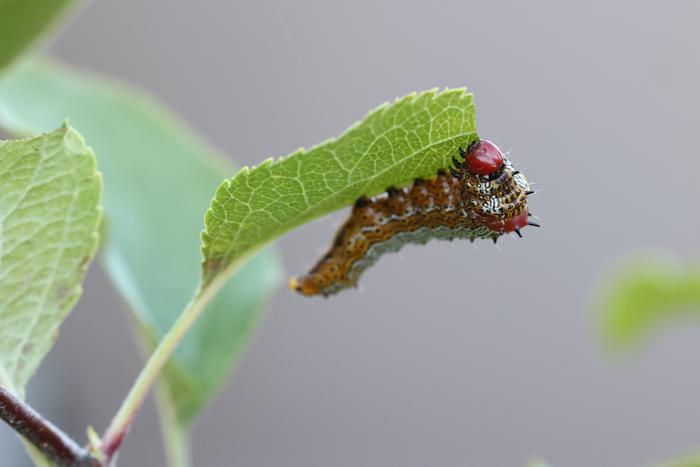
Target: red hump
508, 225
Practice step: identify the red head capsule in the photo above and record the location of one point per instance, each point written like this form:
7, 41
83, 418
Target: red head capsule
483, 158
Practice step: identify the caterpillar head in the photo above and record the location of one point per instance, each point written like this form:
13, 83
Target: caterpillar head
492, 191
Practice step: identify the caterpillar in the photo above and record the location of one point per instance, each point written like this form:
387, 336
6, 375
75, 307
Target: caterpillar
482, 196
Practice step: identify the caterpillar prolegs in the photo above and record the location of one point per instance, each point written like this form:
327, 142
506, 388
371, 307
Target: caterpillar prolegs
482, 196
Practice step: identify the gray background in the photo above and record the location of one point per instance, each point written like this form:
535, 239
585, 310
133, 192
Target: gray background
446, 356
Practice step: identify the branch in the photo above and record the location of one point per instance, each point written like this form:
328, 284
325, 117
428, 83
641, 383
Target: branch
44, 435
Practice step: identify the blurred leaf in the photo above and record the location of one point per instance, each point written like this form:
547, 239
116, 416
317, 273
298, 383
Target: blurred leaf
647, 293
23, 21
690, 461
538, 463
413, 137
158, 182
49, 216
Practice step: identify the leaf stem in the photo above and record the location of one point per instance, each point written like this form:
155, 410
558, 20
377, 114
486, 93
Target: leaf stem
44, 435
176, 436
123, 419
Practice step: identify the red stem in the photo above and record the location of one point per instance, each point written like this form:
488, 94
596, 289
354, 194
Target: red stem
43, 434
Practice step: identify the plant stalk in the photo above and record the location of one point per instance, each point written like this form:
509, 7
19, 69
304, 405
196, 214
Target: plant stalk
123, 419
176, 437
41, 433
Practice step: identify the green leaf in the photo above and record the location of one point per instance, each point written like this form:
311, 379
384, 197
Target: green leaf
413, 137
49, 217
158, 182
647, 293
23, 21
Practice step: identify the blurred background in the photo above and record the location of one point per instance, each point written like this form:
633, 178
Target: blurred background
447, 354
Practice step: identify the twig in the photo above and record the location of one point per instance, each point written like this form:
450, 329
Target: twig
43, 434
